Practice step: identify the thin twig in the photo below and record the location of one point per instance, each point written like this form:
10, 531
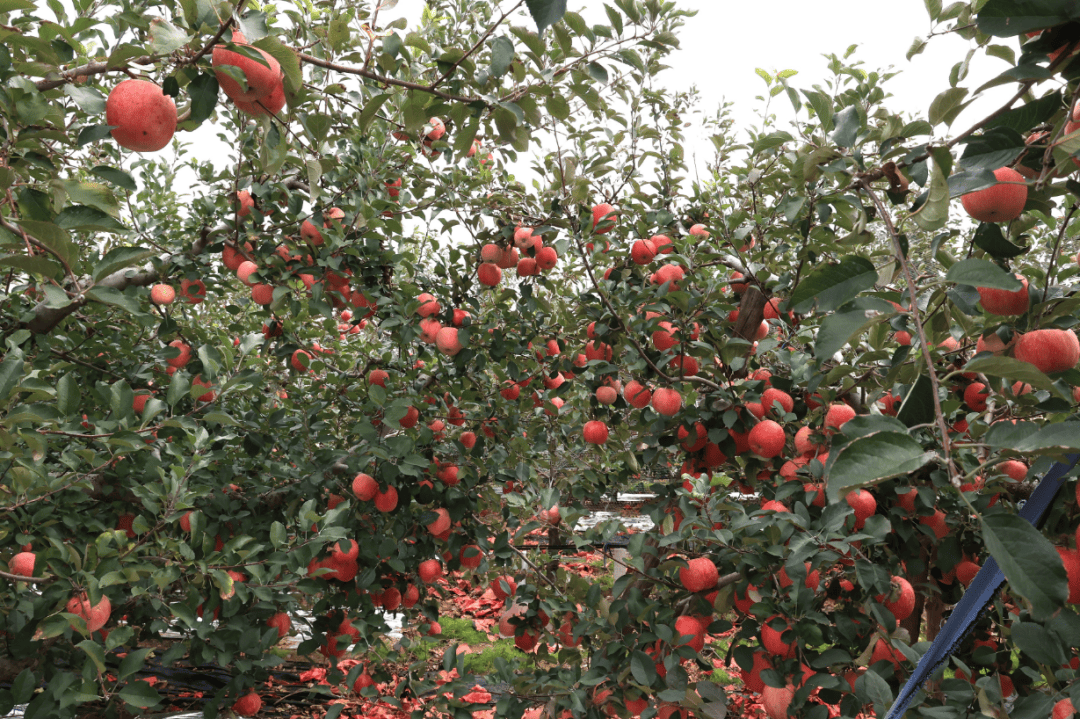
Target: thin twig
939, 415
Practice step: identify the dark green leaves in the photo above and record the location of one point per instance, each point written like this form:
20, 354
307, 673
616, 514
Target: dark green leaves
1028, 560
502, 55
88, 99
988, 236
982, 273
204, 95
643, 668
87, 219
1009, 18
10, 373
947, 105
848, 124
991, 150
1011, 369
165, 38
873, 458
1028, 438
918, 406
92, 133
115, 176
933, 214
838, 328
967, 181
546, 12
118, 258
832, 286
1027, 116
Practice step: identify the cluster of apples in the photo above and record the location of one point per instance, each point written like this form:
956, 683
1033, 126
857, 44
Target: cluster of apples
528, 254
144, 119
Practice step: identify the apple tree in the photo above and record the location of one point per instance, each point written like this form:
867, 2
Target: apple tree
302, 385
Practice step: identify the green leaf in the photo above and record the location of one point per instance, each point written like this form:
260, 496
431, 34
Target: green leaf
118, 258
1028, 115
277, 534
839, 328
597, 72
545, 12
178, 388
140, 694
112, 296
54, 237
873, 458
93, 194
116, 176
832, 286
88, 99
502, 56
371, 109
95, 652
1030, 563
1026, 437
558, 107
962, 183
11, 370
643, 668
993, 149
934, 213
204, 96
92, 133
848, 123
982, 273
870, 688
1009, 18
947, 105
166, 38
253, 25
338, 31
290, 63
37, 265
823, 107
133, 662
67, 394
989, 237
918, 406
1011, 369
34, 205
1042, 646
87, 219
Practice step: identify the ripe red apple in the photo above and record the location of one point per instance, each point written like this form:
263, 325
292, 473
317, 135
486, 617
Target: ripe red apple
143, 117
261, 79
23, 564
1003, 202
1004, 302
1049, 350
699, 575
429, 570
667, 401
600, 225
767, 439
162, 294
248, 705
595, 432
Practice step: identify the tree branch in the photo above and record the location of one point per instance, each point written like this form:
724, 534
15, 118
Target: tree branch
946, 445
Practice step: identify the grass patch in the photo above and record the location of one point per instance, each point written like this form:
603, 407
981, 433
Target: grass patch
484, 662
462, 630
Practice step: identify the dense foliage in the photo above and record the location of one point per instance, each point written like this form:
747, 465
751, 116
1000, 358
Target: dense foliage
366, 354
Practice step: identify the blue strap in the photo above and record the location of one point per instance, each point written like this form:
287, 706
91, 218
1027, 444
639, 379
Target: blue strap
979, 594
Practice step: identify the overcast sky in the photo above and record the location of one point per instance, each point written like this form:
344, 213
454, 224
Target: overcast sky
726, 41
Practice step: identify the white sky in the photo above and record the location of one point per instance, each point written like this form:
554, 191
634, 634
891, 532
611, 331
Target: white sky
726, 41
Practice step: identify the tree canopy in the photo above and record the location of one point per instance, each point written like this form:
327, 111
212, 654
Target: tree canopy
362, 355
